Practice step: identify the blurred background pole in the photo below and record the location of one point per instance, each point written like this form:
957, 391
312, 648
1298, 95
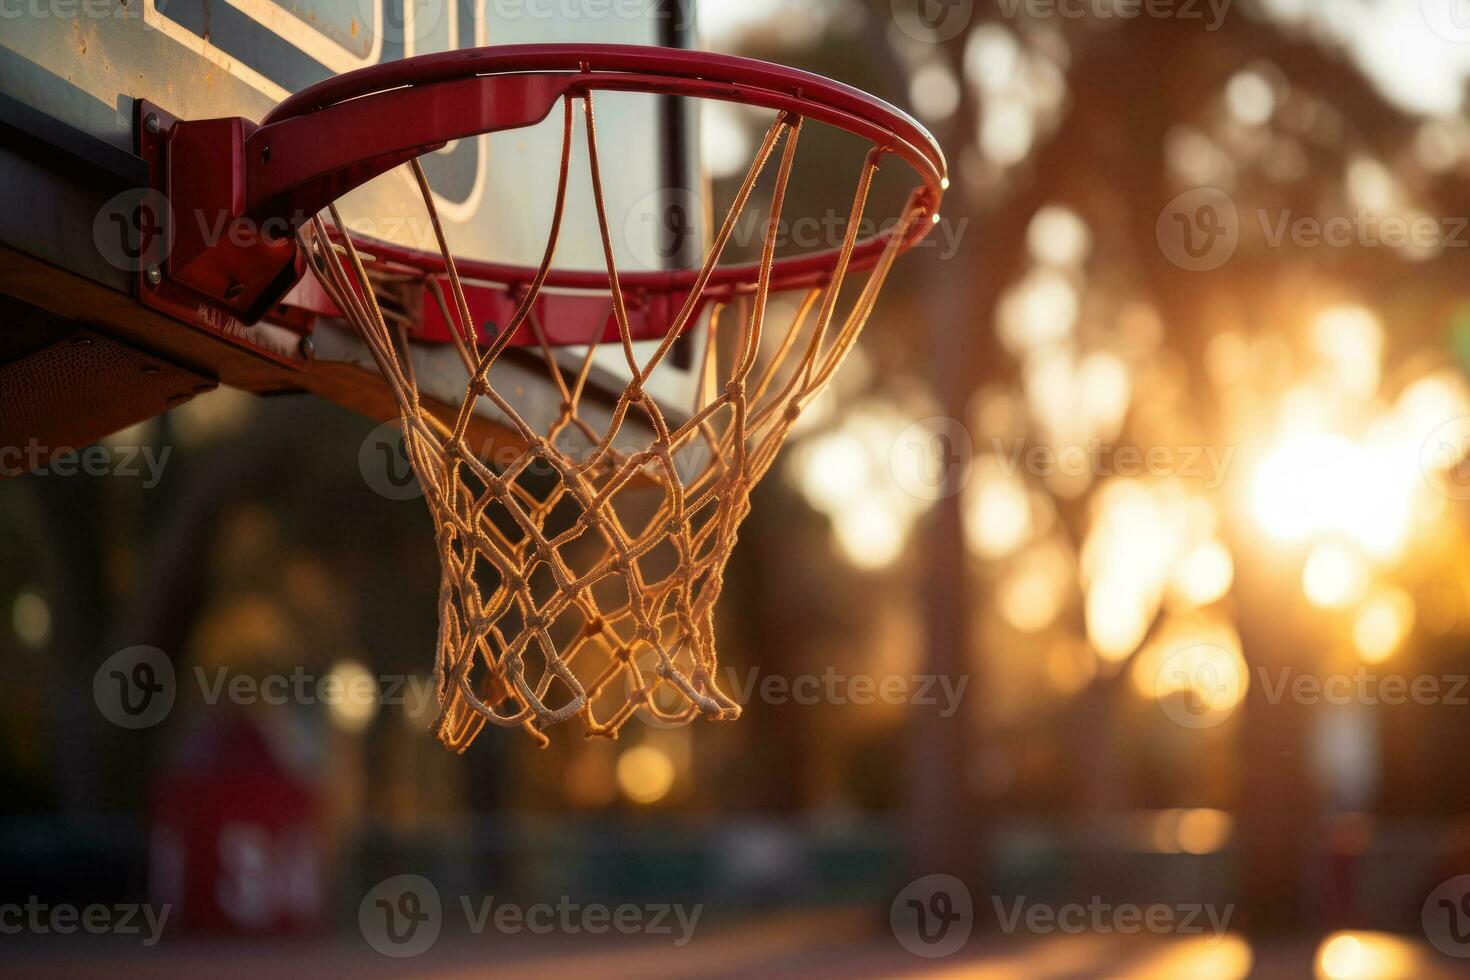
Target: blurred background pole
1282, 819
948, 833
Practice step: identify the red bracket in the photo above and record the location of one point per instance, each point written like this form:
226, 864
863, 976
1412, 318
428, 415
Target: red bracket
193, 265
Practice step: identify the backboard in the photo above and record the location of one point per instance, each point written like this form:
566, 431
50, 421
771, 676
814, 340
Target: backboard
72, 73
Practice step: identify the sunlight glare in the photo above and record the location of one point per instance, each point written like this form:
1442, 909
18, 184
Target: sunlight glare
1350, 340
1057, 236
1365, 956
1198, 656
1334, 576
1382, 623
1316, 484
997, 511
1204, 575
1033, 593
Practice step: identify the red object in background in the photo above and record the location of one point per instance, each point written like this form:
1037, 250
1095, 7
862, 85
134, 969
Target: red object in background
234, 845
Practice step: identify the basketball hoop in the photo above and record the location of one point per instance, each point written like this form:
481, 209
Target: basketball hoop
569, 569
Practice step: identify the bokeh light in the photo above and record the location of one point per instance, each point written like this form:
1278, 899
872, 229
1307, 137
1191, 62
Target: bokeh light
1382, 623
30, 617
1366, 956
355, 703
1334, 576
645, 774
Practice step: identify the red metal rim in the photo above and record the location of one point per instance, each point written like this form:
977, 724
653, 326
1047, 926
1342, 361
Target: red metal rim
666, 71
